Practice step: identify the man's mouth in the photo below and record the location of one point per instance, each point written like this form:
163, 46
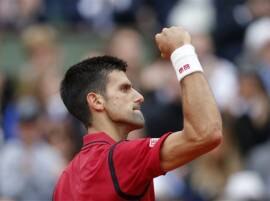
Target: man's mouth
137, 107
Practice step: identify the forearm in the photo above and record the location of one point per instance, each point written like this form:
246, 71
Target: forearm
202, 121
201, 115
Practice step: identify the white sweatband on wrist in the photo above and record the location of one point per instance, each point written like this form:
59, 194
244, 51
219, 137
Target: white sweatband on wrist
185, 61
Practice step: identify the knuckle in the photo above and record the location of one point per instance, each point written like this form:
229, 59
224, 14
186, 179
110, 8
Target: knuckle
165, 29
157, 37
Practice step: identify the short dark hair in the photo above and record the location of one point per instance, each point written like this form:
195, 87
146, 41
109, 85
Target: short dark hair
89, 75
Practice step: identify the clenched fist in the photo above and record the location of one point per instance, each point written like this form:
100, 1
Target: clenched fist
170, 39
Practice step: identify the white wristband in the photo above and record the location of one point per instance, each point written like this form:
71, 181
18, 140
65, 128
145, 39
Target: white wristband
185, 61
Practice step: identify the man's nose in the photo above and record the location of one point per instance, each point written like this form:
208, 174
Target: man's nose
139, 97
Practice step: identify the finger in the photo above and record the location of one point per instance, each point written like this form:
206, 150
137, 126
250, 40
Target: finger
165, 29
159, 39
157, 36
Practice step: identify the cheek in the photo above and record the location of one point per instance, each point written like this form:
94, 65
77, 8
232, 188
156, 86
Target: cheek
114, 102
116, 106
118, 100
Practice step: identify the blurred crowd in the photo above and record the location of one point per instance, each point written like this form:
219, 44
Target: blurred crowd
232, 39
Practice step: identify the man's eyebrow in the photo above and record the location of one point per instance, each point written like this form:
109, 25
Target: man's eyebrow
126, 82
126, 85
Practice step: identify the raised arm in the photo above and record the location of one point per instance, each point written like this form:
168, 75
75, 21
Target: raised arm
202, 122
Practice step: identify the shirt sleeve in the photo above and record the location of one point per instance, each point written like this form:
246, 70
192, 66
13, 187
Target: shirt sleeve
135, 163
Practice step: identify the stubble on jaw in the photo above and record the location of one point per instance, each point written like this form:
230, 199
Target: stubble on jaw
139, 118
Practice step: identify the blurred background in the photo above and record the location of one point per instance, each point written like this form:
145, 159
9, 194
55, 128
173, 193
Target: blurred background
40, 39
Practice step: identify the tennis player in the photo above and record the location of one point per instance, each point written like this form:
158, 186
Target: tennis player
111, 168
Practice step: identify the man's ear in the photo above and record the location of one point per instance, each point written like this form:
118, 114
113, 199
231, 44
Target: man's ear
95, 101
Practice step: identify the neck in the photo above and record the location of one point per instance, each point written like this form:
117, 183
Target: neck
116, 131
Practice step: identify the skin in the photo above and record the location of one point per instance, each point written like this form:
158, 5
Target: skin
119, 112
202, 121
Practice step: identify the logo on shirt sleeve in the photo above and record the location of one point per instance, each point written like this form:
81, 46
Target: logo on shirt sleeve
153, 141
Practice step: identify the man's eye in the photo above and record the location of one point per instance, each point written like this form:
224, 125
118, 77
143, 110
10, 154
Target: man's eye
125, 88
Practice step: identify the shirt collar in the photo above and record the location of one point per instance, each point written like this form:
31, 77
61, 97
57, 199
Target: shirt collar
98, 136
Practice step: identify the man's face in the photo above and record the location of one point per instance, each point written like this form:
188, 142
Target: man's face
122, 102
